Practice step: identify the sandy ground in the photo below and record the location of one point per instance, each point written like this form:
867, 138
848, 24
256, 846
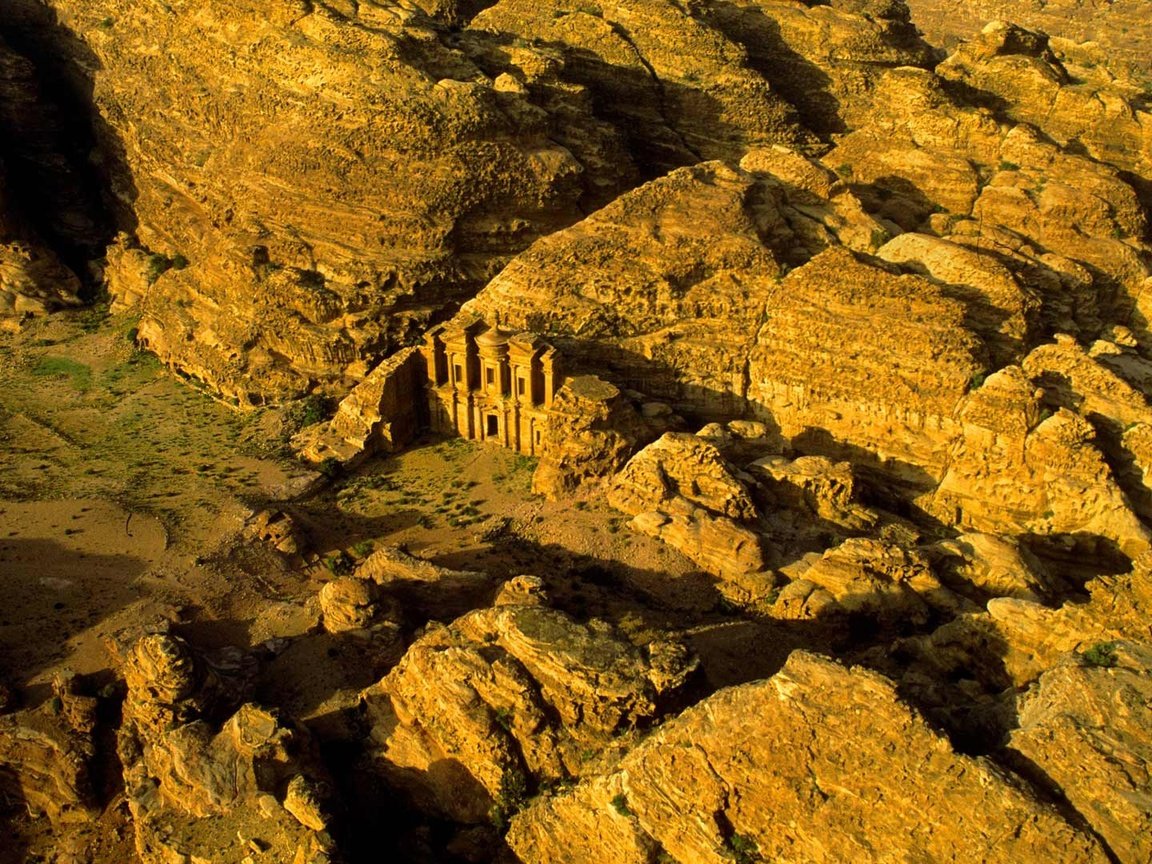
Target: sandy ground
117, 481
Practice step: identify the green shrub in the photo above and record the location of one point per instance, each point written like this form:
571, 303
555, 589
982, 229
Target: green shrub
503, 718
744, 849
1102, 654
340, 564
512, 798
157, 266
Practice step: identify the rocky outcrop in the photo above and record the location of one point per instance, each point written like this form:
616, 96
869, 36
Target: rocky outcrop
46, 755
1085, 730
478, 713
1016, 640
883, 583
1001, 310
379, 415
680, 490
1068, 227
1016, 69
203, 780
1013, 471
1105, 385
1115, 32
32, 278
824, 59
349, 604
812, 487
264, 153
694, 312
279, 530
658, 66
1036, 636
849, 353
818, 763
679, 465
591, 430
265, 265
656, 291
420, 589
983, 566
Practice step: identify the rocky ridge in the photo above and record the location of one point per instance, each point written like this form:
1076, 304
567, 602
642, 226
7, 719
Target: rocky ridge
901, 298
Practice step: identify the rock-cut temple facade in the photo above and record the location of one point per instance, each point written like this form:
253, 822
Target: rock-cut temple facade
488, 385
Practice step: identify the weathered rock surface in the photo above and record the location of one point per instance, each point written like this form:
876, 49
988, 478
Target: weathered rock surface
682, 88
1017, 68
479, 712
884, 583
591, 430
859, 357
812, 486
825, 59
656, 291
264, 153
1115, 32
318, 220
1013, 472
420, 588
818, 763
379, 415
988, 565
202, 782
279, 530
1105, 385
696, 313
1001, 310
1016, 640
679, 465
680, 490
349, 604
46, 755
926, 160
1086, 729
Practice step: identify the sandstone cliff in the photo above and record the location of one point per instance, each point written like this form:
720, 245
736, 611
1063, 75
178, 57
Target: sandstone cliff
303, 186
902, 296
1114, 32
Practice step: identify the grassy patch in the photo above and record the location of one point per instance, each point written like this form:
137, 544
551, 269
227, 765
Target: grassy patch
80, 374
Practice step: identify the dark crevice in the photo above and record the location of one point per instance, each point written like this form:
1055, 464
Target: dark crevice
658, 83
58, 181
